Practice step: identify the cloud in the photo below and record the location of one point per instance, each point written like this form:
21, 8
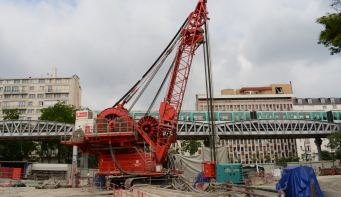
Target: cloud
110, 44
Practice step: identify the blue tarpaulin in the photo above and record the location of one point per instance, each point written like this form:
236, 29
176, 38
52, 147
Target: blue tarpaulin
295, 182
100, 181
198, 180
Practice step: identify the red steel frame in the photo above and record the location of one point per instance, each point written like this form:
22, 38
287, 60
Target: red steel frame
164, 129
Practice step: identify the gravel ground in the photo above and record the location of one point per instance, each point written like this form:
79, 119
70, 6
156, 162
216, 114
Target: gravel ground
326, 183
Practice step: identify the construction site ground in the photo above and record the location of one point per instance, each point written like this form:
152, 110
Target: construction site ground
327, 183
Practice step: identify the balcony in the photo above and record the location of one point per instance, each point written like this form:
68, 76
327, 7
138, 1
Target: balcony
56, 91
16, 92
13, 107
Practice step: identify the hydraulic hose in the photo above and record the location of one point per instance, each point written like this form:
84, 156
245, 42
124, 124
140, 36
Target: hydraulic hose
113, 158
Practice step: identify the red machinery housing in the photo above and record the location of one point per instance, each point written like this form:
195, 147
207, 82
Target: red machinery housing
140, 148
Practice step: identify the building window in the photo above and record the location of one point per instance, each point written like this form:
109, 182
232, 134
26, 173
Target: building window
324, 107
7, 96
41, 103
16, 81
299, 101
33, 81
67, 95
32, 96
9, 81
310, 101
15, 89
50, 80
22, 104
38, 111
1, 81
30, 111
332, 100
1, 89
56, 95
311, 107
30, 103
58, 80
24, 81
15, 96
40, 96
32, 88
323, 101
41, 80
28, 118
334, 107
48, 95
67, 80
22, 111
42, 88
23, 96
7, 89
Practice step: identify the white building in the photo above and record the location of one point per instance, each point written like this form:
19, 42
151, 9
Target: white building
306, 148
30, 95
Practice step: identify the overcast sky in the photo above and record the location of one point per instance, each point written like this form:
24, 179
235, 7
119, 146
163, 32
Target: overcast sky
110, 44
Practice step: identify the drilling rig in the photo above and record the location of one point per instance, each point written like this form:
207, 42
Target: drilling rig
136, 151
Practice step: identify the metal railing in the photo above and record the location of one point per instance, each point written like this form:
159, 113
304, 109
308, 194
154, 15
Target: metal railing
16, 92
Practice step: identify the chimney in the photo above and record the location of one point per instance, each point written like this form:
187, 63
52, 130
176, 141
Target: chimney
47, 75
54, 72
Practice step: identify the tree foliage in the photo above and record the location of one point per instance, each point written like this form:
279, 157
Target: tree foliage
331, 36
334, 140
14, 150
326, 155
190, 146
60, 112
18, 151
11, 114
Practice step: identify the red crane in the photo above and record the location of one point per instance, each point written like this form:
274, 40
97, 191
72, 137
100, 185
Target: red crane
129, 148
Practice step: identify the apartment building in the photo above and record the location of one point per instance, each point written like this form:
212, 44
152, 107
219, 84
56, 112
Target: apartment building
306, 148
30, 95
276, 97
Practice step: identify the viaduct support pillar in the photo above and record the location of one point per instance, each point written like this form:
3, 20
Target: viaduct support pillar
318, 143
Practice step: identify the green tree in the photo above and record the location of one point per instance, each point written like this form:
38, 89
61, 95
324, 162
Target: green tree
14, 150
338, 154
334, 140
60, 112
331, 35
190, 146
326, 155
11, 114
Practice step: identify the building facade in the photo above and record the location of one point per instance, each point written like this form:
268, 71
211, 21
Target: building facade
306, 148
30, 95
275, 97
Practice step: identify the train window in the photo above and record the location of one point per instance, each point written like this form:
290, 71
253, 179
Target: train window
199, 117
215, 116
259, 115
241, 116
247, 116
270, 116
290, 115
236, 117
335, 116
280, 116
305, 116
185, 116
324, 115
225, 116
265, 115
138, 116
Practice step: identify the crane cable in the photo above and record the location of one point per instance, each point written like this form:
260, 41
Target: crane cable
152, 75
130, 93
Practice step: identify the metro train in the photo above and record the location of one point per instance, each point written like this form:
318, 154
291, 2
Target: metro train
330, 116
